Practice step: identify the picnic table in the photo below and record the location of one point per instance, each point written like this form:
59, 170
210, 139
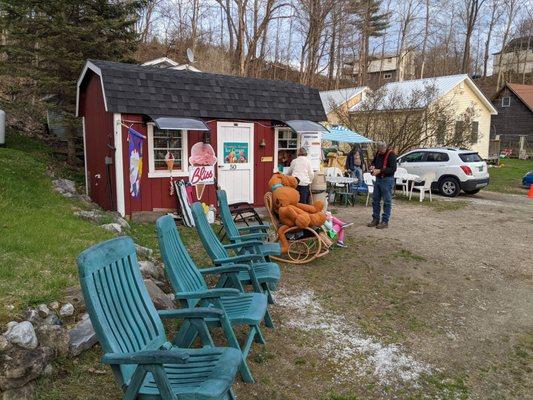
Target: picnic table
337, 183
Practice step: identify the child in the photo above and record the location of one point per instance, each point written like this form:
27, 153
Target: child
335, 227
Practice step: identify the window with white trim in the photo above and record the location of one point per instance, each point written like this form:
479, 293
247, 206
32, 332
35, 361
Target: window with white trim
287, 145
506, 101
161, 142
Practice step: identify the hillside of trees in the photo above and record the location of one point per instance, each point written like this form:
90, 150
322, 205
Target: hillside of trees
44, 44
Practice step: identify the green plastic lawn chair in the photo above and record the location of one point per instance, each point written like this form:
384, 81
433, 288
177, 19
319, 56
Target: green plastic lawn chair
190, 288
255, 232
267, 273
133, 338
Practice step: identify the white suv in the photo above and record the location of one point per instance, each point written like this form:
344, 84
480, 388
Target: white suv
455, 169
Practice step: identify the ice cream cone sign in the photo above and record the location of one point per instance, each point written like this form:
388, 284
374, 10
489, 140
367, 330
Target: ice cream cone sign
202, 168
169, 160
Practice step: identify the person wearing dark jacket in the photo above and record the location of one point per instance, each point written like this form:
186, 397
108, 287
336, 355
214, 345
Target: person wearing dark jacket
383, 168
355, 162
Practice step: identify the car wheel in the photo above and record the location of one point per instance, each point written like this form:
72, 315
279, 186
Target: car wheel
449, 187
472, 191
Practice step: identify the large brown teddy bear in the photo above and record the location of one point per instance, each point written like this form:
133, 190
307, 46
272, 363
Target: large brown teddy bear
285, 202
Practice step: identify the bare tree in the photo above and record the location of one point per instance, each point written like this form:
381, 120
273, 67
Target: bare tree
495, 14
409, 121
471, 14
425, 40
510, 10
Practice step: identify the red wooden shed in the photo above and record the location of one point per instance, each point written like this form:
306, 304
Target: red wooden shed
248, 122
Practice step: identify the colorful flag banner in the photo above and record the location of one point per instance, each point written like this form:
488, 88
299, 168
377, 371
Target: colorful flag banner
135, 151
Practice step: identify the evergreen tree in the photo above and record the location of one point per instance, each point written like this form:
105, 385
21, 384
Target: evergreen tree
48, 41
370, 22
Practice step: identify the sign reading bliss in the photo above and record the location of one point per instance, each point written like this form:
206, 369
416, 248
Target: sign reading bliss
235, 152
202, 175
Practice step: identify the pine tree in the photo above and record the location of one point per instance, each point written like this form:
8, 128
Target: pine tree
370, 22
48, 41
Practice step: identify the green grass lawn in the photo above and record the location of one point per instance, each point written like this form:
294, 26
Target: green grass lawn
40, 235
508, 177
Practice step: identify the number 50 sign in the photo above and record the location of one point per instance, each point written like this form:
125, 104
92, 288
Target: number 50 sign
202, 175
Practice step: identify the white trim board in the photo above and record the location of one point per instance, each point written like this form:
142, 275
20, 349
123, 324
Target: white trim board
89, 66
119, 164
85, 157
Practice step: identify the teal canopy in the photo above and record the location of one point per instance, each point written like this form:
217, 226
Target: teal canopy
339, 133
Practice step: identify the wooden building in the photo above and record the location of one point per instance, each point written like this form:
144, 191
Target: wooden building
175, 109
514, 103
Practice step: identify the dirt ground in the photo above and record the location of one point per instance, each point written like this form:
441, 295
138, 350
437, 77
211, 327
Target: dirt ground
438, 306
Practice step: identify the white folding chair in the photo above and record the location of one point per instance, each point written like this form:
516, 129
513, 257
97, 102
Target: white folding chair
369, 179
401, 180
428, 179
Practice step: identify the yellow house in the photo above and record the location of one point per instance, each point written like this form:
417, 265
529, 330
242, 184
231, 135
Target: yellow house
459, 92
341, 100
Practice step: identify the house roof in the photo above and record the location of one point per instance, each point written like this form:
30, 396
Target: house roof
136, 89
331, 99
524, 93
408, 90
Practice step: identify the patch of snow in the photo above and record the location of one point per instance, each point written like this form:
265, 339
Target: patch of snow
351, 350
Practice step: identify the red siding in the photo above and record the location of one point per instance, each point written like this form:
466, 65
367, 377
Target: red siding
155, 191
98, 134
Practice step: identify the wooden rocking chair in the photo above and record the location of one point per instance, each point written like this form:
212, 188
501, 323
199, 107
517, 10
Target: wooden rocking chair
306, 244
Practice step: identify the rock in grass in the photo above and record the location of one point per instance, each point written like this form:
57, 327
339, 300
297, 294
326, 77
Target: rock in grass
55, 337
112, 227
91, 215
26, 392
66, 310
150, 270
81, 337
22, 334
32, 316
52, 320
20, 366
159, 298
4, 344
54, 305
122, 222
64, 186
43, 310
144, 251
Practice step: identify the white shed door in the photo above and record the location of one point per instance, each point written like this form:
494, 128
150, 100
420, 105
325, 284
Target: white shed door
235, 145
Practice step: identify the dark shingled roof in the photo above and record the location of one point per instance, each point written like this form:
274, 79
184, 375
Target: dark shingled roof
136, 89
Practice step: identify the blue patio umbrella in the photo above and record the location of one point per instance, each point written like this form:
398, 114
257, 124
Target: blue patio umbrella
339, 133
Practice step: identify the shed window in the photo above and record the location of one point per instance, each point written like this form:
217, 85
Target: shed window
287, 144
168, 141
161, 141
506, 102
387, 75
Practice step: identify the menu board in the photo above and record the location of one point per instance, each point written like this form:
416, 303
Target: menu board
311, 142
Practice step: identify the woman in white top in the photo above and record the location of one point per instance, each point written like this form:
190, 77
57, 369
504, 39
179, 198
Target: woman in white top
302, 170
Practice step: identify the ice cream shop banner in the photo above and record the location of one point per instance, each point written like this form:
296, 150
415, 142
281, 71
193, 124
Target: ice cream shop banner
202, 166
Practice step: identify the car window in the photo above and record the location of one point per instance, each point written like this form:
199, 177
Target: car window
470, 157
437, 157
413, 157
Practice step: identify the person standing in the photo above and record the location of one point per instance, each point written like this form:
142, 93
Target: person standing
302, 170
383, 168
355, 162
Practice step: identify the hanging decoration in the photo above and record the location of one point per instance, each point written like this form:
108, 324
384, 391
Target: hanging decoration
202, 168
135, 152
169, 159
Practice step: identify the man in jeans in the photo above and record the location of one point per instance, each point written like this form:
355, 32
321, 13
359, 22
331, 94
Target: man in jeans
383, 168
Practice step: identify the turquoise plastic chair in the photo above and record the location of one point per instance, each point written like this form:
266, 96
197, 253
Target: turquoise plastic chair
190, 288
255, 232
133, 338
267, 273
